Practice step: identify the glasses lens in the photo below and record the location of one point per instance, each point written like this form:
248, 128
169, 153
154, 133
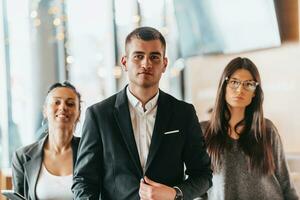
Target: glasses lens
234, 83
250, 85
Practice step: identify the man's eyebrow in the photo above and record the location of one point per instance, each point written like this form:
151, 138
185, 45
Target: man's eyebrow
152, 53
155, 53
138, 52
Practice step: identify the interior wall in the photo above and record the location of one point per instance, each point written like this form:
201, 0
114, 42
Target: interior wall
280, 73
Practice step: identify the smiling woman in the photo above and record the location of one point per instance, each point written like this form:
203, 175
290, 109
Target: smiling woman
62, 106
49, 161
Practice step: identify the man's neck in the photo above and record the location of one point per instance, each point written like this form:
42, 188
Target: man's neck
143, 94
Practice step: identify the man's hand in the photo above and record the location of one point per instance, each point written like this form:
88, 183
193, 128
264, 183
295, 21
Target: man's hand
151, 190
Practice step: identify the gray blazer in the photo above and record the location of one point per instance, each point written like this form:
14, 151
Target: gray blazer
26, 165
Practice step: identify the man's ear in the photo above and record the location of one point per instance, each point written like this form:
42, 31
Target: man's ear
124, 62
165, 64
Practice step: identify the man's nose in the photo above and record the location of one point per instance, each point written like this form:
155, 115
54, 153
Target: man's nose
146, 63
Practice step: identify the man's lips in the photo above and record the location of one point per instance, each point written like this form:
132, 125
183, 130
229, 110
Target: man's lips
146, 73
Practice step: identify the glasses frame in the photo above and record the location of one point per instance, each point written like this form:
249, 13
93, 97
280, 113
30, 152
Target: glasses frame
241, 83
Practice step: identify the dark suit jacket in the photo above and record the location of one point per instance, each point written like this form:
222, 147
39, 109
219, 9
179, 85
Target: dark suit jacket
108, 165
26, 165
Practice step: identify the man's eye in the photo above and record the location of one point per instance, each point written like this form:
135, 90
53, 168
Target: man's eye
138, 57
57, 102
153, 57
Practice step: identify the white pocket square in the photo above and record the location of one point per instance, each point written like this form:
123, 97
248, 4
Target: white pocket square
170, 132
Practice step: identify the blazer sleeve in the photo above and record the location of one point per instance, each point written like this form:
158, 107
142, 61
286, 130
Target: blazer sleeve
87, 180
18, 174
196, 159
281, 167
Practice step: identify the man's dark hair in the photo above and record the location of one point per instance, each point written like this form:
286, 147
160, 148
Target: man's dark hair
147, 34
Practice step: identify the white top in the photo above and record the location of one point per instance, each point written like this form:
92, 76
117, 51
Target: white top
51, 187
142, 123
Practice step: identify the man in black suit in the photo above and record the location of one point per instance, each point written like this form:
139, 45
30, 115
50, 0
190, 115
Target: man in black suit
136, 143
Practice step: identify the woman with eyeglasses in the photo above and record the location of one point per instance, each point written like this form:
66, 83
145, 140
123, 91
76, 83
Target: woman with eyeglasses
44, 169
245, 148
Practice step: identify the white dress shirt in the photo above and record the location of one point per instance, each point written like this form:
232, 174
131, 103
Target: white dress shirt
142, 123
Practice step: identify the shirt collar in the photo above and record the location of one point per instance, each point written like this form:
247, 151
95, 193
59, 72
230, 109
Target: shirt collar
136, 103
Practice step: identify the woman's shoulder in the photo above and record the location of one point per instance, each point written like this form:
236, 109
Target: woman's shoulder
272, 132
269, 123
27, 148
270, 126
33, 147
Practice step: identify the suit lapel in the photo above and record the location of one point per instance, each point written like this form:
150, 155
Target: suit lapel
161, 122
123, 119
33, 166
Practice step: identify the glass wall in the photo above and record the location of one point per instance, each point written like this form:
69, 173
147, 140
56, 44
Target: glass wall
15, 77
44, 41
90, 48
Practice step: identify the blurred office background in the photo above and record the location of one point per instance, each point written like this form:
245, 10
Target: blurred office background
45, 41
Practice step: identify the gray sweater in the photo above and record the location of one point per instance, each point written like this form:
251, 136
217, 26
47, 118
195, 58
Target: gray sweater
233, 181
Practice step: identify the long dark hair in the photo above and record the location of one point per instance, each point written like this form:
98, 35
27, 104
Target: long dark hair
254, 139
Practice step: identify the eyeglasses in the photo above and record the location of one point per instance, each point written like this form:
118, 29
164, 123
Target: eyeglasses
247, 85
